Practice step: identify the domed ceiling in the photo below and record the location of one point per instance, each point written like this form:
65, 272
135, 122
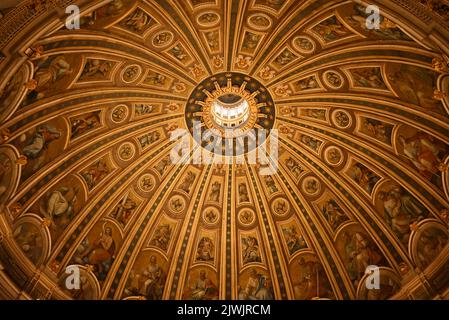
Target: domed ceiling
87, 179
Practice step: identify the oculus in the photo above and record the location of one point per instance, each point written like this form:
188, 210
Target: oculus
232, 106
230, 111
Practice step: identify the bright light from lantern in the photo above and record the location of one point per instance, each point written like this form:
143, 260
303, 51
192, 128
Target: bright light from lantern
232, 114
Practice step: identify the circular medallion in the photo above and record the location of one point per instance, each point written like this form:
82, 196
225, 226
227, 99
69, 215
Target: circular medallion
211, 215
208, 19
311, 186
162, 39
147, 183
260, 22
280, 207
304, 44
341, 119
333, 156
177, 204
119, 113
126, 151
333, 79
131, 73
246, 217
